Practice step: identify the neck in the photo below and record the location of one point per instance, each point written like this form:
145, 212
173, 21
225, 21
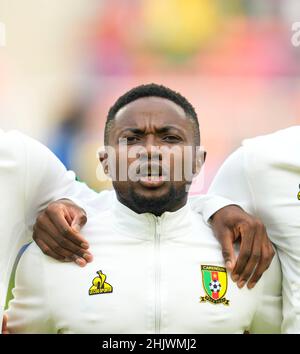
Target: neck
155, 207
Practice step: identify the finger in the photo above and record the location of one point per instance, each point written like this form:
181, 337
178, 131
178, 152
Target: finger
266, 259
226, 241
66, 231
63, 254
44, 223
63, 247
67, 215
60, 217
252, 262
76, 215
42, 240
247, 237
41, 235
47, 250
4, 325
72, 249
79, 220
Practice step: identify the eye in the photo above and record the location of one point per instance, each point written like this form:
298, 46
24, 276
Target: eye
172, 139
129, 140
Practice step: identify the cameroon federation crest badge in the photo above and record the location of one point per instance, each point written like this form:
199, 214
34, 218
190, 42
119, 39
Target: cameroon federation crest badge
100, 286
214, 281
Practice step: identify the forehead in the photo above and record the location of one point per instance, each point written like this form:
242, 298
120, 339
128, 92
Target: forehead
151, 110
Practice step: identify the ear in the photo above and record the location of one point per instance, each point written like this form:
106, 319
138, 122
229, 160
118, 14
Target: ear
103, 158
200, 159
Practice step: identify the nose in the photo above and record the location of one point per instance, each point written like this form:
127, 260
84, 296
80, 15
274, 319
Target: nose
151, 148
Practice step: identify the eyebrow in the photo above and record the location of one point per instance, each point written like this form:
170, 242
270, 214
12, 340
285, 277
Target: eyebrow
164, 129
133, 130
167, 128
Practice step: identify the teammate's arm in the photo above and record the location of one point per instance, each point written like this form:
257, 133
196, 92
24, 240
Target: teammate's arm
46, 180
231, 224
49, 224
57, 232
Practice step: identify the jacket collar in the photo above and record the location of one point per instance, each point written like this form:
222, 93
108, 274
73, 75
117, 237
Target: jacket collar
146, 226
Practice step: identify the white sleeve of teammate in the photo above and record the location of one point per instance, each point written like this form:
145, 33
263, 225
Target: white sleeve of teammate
95, 202
229, 187
209, 204
231, 182
268, 316
47, 180
29, 311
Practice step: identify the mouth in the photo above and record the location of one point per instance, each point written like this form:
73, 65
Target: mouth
152, 176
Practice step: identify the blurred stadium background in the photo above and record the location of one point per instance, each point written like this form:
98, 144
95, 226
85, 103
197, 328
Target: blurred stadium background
65, 62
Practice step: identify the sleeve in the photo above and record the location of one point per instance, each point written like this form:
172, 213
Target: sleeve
47, 180
268, 316
94, 202
231, 182
29, 311
229, 187
208, 204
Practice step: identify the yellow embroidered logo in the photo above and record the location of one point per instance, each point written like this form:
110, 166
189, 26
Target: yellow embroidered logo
99, 285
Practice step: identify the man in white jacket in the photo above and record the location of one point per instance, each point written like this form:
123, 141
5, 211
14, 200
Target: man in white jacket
31, 177
264, 177
157, 267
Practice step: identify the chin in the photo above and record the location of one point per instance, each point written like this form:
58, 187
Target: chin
153, 201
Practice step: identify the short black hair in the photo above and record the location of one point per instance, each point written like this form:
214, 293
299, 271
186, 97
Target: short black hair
152, 90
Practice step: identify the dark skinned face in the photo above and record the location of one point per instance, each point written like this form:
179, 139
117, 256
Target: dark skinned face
149, 125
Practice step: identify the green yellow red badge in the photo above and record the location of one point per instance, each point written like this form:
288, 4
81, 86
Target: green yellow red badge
214, 280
